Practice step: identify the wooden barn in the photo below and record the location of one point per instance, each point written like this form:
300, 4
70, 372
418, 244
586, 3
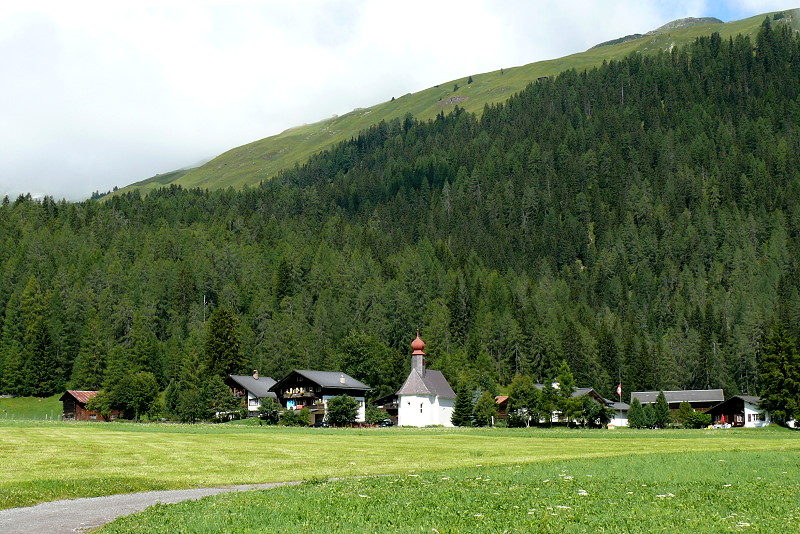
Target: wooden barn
75, 407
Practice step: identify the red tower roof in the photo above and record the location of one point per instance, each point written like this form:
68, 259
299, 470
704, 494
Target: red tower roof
417, 345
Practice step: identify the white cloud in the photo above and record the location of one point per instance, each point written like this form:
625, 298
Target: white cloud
99, 94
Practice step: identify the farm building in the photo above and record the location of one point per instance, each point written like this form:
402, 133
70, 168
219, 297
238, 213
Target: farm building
620, 408
740, 410
251, 389
312, 390
426, 397
75, 407
700, 399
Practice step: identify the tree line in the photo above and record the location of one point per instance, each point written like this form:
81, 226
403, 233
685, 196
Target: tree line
639, 221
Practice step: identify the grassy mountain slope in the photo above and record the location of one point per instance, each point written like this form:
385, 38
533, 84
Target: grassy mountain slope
260, 160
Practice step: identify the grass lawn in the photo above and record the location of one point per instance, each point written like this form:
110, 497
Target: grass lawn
51, 460
22, 408
678, 492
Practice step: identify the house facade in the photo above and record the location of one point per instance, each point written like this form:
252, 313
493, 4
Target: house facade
74, 402
426, 397
313, 389
740, 411
251, 389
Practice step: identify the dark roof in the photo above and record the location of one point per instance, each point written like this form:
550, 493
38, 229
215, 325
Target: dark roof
433, 383
326, 379
80, 396
259, 387
735, 403
578, 391
689, 395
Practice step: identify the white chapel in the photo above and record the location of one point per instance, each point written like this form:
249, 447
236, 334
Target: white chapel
426, 397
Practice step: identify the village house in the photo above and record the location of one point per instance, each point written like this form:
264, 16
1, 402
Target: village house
75, 407
312, 389
740, 411
699, 399
251, 389
620, 408
426, 397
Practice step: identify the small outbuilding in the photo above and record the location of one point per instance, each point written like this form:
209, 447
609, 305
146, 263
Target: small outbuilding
75, 407
740, 411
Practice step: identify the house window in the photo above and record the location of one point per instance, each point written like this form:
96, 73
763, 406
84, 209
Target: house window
749, 417
420, 407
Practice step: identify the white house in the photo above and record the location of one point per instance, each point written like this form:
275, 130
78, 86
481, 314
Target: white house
740, 410
251, 389
620, 413
426, 397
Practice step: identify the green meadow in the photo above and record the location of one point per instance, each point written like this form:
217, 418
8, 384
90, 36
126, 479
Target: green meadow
45, 461
721, 491
24, 408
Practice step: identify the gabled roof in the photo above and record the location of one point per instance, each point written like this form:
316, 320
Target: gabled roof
578, 392
259, 387
688, 395
326, 379
432, 383
735, 403
80, 396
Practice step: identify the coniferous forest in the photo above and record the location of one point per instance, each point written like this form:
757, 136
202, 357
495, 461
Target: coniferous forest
640, 221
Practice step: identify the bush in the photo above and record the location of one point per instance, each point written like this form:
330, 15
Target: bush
697, 420
296, 417
342, 410
374, 415
269, 411
485, 411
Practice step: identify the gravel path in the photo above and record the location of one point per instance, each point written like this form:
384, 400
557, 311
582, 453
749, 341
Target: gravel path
82, 515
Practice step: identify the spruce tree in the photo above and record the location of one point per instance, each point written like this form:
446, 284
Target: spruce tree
661, 412
779, 375
223, 353
636, 417
462, 411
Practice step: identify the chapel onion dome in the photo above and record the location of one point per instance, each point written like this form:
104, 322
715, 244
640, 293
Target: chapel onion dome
417, 345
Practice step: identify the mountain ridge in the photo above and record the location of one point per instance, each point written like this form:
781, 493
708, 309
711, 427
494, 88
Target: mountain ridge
249, 164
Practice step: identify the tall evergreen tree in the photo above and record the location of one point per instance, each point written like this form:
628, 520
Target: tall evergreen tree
661, 416
463, 409
779, 375
223, 352
636, 416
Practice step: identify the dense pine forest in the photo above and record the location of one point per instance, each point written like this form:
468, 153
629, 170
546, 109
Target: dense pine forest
640, 221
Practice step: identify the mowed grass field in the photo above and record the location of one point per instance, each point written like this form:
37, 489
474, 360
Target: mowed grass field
44, 461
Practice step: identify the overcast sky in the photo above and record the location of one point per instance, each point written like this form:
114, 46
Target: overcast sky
98, 94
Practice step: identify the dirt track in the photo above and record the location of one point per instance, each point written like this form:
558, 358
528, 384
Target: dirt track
82, 515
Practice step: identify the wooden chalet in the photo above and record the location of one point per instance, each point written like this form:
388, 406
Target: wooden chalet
75, 407
312, 390
251, 389
740, 411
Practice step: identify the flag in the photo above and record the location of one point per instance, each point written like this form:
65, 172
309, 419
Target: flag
619, 390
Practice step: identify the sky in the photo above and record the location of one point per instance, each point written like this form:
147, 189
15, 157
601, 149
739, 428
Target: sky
97, 94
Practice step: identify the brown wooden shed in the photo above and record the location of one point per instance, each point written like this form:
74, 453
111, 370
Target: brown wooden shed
75, 407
